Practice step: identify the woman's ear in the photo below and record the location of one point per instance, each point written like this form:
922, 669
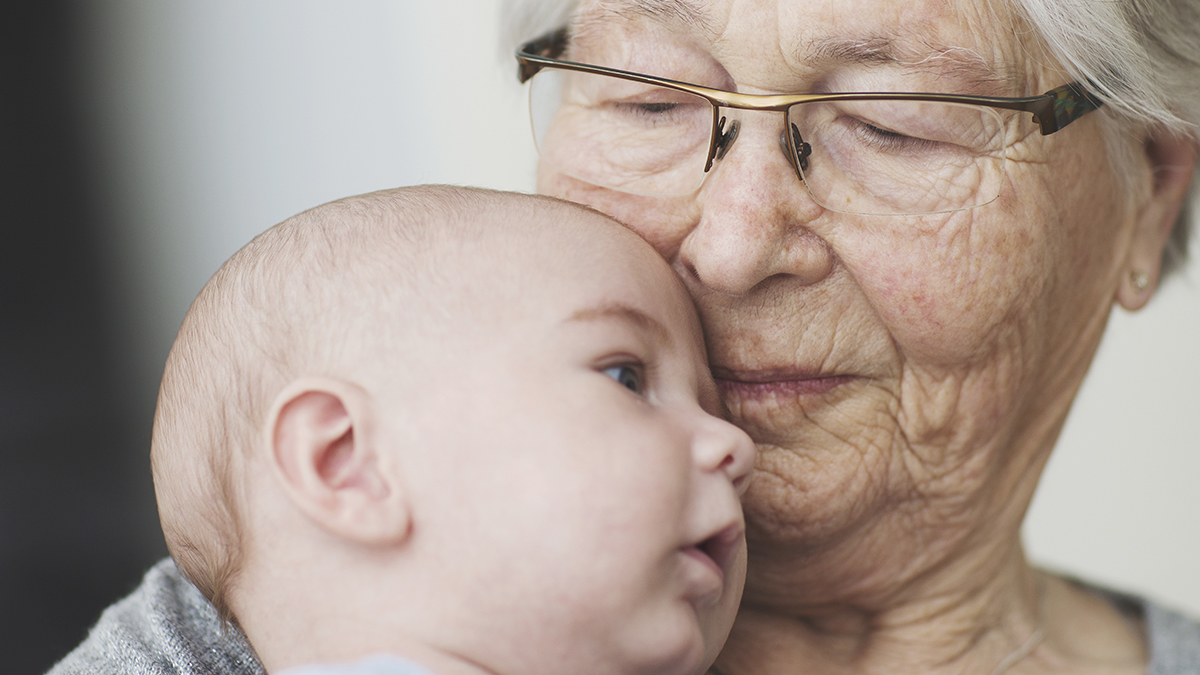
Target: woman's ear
324, 449
1172, 160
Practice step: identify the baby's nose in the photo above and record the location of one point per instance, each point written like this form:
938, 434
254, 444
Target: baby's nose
726, 448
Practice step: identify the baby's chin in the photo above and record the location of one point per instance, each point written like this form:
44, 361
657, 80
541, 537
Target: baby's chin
685, 639
696, 651
716, 618
673, 644
714, 630
691, 657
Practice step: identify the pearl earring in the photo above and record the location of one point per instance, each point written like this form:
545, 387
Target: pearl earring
1139, 280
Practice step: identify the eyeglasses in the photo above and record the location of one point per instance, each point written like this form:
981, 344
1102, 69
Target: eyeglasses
867, 153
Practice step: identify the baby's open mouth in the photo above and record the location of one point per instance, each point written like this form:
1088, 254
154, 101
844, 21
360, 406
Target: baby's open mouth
721, 547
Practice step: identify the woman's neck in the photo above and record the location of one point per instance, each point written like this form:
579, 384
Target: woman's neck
1026, 622
941, 621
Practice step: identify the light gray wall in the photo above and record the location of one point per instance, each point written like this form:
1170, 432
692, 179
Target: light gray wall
220, 118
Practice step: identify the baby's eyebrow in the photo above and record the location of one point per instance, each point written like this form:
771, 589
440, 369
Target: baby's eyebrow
623, 312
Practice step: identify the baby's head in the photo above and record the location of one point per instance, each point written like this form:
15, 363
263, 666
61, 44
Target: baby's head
472, 428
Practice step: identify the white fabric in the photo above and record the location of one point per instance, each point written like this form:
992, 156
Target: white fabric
375, 665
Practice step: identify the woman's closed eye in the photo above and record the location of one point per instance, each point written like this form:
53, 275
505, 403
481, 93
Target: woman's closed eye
627, 375
650, 108
892, 141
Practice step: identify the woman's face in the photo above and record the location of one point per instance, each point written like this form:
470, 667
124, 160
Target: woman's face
903, 376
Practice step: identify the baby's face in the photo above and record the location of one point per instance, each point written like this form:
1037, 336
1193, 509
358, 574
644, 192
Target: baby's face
576, 473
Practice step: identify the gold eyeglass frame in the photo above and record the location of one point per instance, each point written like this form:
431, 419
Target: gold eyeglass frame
1052, 111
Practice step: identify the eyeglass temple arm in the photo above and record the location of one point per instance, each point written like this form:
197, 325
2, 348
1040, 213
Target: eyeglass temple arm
550, 45
1052, 110
1070, 103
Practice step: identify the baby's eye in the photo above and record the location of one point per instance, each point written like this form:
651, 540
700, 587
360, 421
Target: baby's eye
629, 377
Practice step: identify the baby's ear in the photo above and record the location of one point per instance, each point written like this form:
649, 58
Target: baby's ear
323, 447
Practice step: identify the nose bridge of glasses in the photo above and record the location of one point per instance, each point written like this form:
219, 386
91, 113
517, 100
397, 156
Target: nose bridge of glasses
734, 122
725, 135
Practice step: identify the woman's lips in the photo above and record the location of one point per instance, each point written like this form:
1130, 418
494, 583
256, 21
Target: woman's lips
763, 383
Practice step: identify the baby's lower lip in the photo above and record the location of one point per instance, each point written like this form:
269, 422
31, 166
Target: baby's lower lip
716, 556
705, 578
703, 558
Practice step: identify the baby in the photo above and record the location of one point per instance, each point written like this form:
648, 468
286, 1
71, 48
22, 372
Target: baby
473, 430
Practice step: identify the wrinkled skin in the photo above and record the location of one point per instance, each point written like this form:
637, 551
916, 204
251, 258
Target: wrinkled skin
904, 377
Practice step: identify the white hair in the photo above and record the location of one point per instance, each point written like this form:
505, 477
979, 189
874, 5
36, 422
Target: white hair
1141, 57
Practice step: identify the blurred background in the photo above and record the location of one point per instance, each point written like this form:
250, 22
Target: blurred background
144, 141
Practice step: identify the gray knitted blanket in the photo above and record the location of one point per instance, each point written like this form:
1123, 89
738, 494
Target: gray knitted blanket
1174, 642
166, 627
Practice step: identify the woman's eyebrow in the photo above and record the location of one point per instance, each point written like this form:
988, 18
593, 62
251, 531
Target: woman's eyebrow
621, 312
669, 12
963, 65
960, 63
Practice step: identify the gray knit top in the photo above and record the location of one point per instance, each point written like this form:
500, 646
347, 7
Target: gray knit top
166, 627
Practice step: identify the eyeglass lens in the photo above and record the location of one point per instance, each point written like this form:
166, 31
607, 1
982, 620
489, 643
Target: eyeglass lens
867, 157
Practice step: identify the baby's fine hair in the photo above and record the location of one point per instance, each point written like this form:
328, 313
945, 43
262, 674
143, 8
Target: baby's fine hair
292, 303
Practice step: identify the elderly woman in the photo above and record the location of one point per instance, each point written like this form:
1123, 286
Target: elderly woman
902, 291
905, 223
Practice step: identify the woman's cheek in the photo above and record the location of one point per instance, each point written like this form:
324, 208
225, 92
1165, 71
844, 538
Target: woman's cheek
953, 293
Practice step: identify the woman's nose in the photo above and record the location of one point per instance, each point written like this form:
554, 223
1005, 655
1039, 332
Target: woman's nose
754, 216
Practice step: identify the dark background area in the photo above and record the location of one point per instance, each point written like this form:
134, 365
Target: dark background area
77, 519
